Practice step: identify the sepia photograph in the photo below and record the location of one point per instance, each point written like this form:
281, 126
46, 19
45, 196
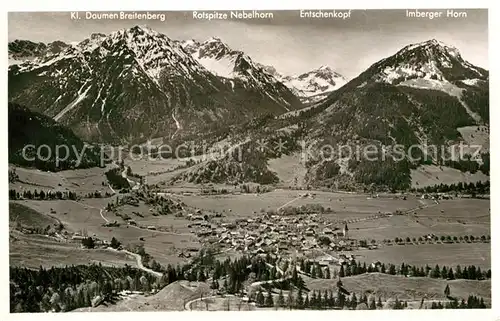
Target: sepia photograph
248, 160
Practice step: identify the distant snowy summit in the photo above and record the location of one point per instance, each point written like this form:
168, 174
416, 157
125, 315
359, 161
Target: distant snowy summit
316, 84
311, 86
225, 62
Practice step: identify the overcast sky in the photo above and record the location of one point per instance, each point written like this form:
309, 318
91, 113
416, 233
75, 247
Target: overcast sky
291, 44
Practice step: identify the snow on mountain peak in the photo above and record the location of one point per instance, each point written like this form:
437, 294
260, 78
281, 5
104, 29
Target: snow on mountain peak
429, 60
214, 39
431, 48
214, 48
138, 47
316, 84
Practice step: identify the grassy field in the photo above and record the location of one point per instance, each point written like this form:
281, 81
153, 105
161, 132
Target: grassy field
345, 205
149, 168
81, 181
176, 295
75, 216
85, 216
430, 175
172, 223
459, 210
21, 214
450, 217
33, 251
392, 286
463, 254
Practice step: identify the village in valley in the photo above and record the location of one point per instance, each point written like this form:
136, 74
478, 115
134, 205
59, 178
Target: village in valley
299, 235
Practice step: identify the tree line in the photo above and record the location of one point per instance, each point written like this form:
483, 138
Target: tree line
53, 195
41, 195
326, 300
470, 272
442, 238
469, 188
473, 302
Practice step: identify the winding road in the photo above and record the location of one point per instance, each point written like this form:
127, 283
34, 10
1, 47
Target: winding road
140, 265
138, 259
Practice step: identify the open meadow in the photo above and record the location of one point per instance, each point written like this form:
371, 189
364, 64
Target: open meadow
33, 251
451, 255
81, 181
344, 205
86, 217
457, 217
414, 288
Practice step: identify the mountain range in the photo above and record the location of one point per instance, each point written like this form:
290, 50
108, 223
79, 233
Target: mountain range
311, 86
21, 50
426, 94
136, 83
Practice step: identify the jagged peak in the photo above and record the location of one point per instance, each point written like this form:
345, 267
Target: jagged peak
324, 67
189, 42
137, 31
434, 46
97, 35
323, 70
213, 39
141, 29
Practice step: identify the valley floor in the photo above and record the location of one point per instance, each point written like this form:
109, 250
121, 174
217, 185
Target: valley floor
370, 218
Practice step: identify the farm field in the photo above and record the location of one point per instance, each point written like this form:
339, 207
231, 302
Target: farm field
85, 216
152, 168
173, 224
463, 254
347, 205
430, 175
404, 226
33, 251
21, 214
460, 209
80, 180
76, 216
451, 217
392, 286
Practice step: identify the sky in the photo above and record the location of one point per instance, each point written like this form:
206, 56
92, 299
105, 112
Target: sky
291, 44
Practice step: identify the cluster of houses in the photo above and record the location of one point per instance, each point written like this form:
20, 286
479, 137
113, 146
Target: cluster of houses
270, 233
79, 236
436, 196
